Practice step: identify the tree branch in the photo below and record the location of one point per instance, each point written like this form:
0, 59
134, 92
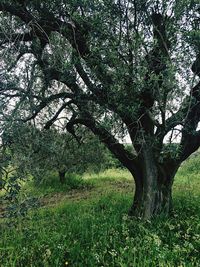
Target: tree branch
46, 101
54, 118
190, 145
15, 38
128, 159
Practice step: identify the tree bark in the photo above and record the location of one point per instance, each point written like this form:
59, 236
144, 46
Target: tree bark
62, 176
153, 196
153, 188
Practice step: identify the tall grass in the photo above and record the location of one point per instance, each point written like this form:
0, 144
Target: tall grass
94, 229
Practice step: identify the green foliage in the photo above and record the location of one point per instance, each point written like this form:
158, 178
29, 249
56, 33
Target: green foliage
94, 230
16, 205
171, 150
40, 152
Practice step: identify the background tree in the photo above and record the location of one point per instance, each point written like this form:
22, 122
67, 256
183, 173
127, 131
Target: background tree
119, 68
37, 152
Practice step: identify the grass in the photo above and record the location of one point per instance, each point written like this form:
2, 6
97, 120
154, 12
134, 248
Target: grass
89, 226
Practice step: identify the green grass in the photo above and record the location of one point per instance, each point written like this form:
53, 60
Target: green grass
89, 227
51, 185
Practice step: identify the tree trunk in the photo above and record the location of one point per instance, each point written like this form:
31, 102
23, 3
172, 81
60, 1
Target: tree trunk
62, 176
153, 195
153, 189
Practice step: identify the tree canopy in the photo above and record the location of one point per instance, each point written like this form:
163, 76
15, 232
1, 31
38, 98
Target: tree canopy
37, 153
119, 68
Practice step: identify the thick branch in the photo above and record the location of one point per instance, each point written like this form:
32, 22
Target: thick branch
190, 145
188, 114
54, 118
18, 11
124, 156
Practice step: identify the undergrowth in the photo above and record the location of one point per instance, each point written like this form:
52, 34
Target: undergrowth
96, 231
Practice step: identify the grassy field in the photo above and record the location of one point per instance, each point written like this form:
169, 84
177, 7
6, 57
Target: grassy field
86, 224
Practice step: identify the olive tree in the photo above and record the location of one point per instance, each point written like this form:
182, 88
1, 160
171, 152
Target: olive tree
36, 152
120, 68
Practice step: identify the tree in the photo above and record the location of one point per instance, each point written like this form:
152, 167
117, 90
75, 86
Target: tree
119, 68
37, 152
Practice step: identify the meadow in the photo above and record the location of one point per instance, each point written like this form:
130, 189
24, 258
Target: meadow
85, 223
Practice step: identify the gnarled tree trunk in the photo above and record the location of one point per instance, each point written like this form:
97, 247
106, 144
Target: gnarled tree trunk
153, 187
152, 197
